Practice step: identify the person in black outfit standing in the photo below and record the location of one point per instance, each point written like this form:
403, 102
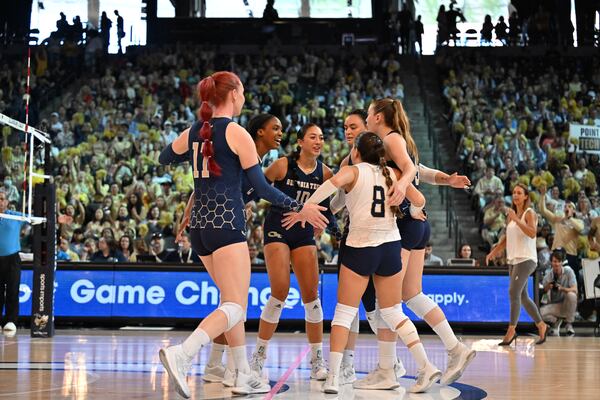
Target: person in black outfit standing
120, 30
105, 25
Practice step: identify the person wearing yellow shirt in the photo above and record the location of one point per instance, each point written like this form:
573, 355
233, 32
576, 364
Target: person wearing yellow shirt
566, 228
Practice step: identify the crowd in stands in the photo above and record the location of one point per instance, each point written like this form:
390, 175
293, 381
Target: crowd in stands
115, 202
511, 120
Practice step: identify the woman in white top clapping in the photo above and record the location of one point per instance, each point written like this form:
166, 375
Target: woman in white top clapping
519, 242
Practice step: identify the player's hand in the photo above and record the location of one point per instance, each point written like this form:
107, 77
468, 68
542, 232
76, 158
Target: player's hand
459, 181
420, 216
310, 213
397, 193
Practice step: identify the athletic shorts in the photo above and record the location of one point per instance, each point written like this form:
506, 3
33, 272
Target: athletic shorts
414, 233
383, 260
294, 238
206, 241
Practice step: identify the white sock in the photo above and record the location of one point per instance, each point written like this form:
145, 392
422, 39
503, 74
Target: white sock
418, 353
335, 361
230, 363
192, 345
348, 357
240, 359
261, 347
387, 354
316, 350
216, 354
444, 331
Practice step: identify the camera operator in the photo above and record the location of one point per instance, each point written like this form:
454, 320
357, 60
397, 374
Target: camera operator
561, 287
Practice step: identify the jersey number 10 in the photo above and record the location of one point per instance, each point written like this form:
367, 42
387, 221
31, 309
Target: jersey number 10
205, 172
378, 205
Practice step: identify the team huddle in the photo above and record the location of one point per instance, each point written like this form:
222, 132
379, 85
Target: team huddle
381, 253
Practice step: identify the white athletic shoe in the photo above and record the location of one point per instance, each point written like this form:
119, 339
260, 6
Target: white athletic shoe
426, 377
332, 384
318, 369
458, 360
177, 364
378, 379
213, 373
257, 363
249, 384
399, 369
347, 374
10, 327
228, 378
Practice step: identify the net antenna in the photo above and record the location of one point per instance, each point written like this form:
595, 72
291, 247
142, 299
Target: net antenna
31, 135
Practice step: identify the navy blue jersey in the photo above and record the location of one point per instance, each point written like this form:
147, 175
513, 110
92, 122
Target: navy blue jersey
297, 184
219, 203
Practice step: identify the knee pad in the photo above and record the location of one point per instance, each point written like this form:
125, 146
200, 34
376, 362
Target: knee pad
233, 312
421, 305
392, 316
354, 327
313, 312
408, 333
381, 324
372, 320
272, 310
344, 315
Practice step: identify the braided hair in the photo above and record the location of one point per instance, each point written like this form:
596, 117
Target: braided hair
371, 150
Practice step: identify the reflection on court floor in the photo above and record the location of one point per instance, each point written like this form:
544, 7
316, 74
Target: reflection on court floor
98, 364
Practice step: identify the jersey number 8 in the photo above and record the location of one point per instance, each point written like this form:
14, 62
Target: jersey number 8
378, 205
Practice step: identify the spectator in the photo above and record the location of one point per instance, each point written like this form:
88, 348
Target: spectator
254, 259
10, 190
494, 220
488, 187
270, 14
464, 253
126, 248
107, 253
157, 248
486, 30
560, 286
501, 31
64, 252
431, 259
566, 228
105, 24
120, 30
89, 249
419, 33
185, 254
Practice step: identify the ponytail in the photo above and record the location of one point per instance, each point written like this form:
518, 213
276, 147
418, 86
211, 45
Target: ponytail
389, 183
213, 91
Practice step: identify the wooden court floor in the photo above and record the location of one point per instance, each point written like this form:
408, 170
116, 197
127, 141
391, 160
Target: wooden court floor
114, 365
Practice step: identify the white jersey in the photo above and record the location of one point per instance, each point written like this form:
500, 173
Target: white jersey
371, 220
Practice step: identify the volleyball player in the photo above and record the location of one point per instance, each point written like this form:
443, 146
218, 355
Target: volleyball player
387, 118
265, 130
297, 175
372, 248
221, 151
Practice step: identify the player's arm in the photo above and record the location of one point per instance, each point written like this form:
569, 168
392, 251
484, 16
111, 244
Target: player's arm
395, 147
436, 177
277, 170
241, 143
